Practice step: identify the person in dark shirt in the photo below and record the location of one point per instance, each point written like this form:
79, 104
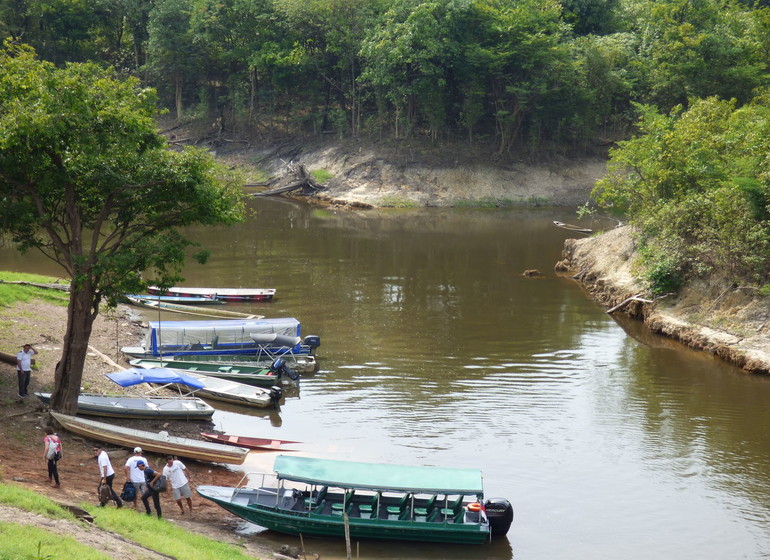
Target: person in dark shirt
150, 477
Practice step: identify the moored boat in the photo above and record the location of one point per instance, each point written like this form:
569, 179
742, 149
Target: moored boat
275, 336
276, 374
182, 407
310, 496
226, 294
264, 444
157, 442
303, 363
227, 390
129, 406
200, 300
186, 309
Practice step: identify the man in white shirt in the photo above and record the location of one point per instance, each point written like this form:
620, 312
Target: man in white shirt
24, 368
134, 475
107, 474
179, 478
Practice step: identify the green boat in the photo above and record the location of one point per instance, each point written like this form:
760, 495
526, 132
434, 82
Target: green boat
276, 374
320, 496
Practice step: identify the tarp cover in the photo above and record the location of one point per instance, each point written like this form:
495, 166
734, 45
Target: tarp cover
134, 376
375, 476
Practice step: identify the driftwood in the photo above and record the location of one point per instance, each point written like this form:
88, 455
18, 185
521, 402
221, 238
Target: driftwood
8, 358
295, 178
637, 297
570, 227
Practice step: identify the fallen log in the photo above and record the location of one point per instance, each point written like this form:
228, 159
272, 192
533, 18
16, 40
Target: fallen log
626, 301
61, 287
295, 178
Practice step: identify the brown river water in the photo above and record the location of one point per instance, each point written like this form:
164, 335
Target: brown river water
609, 442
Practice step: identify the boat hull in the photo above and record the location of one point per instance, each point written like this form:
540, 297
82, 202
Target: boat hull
259, 377
157, 442
122, 406
250, 442
225, 294
322, 525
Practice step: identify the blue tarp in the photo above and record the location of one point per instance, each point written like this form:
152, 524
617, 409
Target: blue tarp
134, 376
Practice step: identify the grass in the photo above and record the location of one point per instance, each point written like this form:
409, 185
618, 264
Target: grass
163, 536
12, 293
21, 542
26, 542
32, 502
488, 202
321, 176
397, 202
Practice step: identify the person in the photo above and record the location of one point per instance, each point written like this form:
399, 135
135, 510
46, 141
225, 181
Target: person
24, 368
179, 478
107, 473
52, 444
134, 475
150, 476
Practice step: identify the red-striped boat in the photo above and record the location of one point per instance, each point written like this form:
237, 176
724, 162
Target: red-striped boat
250, 442
224, 294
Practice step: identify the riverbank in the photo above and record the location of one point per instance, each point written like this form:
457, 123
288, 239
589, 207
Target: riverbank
43, 325
727, 321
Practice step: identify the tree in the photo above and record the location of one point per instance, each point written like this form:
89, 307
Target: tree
86, 179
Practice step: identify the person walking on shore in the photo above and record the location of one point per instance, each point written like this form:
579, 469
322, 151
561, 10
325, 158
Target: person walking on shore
179, 478
134, 475
52, 454
107, 474
150, 477
24, 368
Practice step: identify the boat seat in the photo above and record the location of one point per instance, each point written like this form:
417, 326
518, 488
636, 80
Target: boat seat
225, 369
424, 511
347, 501
369, 509
400, 508
317, 503
453, 508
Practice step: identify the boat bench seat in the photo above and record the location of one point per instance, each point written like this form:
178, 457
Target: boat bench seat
369, 509
338, 508
420, 512
401, 510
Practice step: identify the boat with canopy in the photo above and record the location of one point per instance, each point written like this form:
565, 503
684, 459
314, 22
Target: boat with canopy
324, 497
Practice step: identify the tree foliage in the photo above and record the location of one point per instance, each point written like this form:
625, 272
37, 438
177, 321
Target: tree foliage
697, 183
86, 179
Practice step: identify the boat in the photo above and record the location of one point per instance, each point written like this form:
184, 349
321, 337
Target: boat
263, 444
226, 390
191, 309
223, 336
143, 406
200, 300
157, 442
128, 406
304, 363
226, 294
276, 374
307, 496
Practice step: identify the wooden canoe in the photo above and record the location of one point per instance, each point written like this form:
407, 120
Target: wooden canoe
157, 442
250, 442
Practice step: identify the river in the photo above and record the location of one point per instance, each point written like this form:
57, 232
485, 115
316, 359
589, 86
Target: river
609, 442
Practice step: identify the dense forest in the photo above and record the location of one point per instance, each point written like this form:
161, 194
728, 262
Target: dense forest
522, 73
679, 88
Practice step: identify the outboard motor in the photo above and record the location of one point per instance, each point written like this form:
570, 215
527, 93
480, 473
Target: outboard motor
500, 515
280, 368
313, 341
275, 393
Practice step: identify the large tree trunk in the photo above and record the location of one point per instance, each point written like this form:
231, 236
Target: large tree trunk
82, 311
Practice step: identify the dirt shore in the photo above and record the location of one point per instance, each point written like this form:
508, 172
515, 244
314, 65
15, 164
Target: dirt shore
728, 321
21, 435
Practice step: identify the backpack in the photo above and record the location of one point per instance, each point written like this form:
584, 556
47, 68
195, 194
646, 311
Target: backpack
160, 484
129, 492
54, 449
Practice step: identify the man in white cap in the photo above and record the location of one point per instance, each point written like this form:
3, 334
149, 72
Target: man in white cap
135, 475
